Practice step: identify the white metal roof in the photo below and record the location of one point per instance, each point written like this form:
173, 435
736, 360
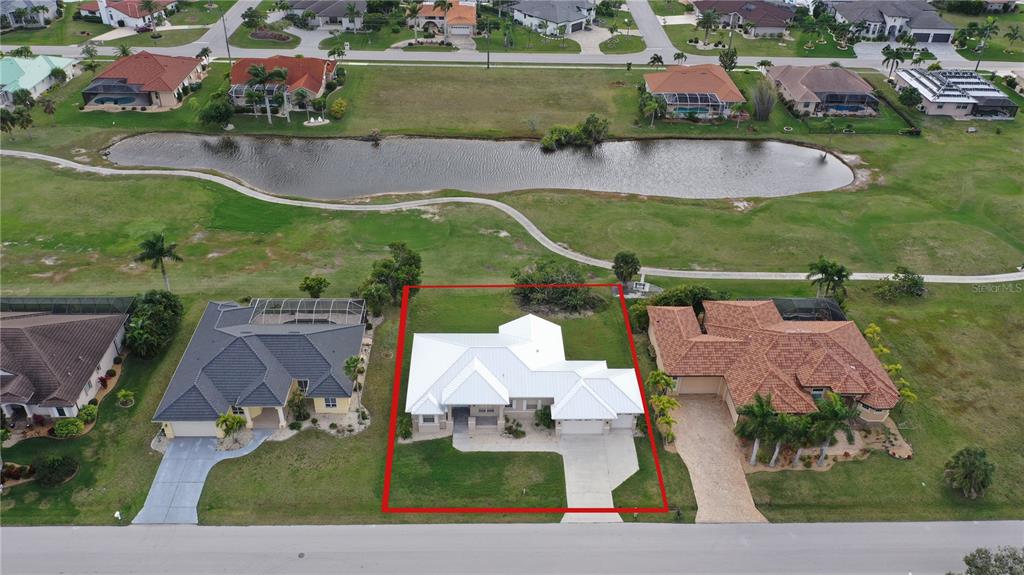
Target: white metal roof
525, 359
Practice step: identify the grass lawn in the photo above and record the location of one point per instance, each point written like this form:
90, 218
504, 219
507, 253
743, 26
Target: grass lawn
242, 39
61, 32
167, 38
379, 40
622, 44
200, 12
680, 33
429, 48
523, 39
998, 48
622, 20
669, 7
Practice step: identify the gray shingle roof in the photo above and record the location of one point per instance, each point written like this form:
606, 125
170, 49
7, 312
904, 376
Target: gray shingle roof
919, 13
555, 11
233, 360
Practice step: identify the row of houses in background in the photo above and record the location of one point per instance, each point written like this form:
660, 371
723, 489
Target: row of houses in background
125, 13
27, 13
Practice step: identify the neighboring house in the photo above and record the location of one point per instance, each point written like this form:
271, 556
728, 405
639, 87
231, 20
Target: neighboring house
471, 381
309, 75
51, 361
249, 359
705, 91
549, 16
761, 17
27, 13
32, 74
890, 19
746, 348
125, 13
331, 12
146, 80
1000, 5
957, 93
460, 20
1018, 75
824, 90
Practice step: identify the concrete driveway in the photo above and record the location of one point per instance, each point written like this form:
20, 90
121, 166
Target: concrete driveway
710, 450
179, 481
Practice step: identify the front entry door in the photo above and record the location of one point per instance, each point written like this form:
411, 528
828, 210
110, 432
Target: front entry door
460, 419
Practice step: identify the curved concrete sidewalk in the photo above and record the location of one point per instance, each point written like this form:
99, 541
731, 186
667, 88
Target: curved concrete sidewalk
515, 214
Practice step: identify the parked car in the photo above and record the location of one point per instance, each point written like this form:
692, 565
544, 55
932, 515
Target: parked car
143, 28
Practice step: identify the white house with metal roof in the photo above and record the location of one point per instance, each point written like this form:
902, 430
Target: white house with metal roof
471, 381
957, 93
32, 74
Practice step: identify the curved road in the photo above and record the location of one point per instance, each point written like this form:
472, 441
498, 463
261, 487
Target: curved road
515, 214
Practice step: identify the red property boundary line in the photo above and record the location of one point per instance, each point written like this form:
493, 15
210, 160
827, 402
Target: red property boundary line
396, 394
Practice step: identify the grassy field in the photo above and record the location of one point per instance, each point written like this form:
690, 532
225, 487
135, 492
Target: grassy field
669, 7
622, 44
680, 33
998, 48
199, 12
378, 40
242, 38
622, 20
61, 32
523, 39
167, 38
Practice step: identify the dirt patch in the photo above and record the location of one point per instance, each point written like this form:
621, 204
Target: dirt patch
50, 260
499, 233
741, 205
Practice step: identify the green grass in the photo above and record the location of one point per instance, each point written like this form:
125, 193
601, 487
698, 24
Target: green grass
997, 48
429, 48
196, 12
379, 40
523, 39
167, 38
242, 38
61, 32
680, 33
669, 7
622, 44
622, 20
641, 490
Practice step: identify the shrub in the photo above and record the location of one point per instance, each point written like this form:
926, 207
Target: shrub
125, 397
69, 427
154, 320
338, 108
405, 426
970, 472
297, 405
295, 425
333, 425
111, 372
902, 283
514, 428
551, 271
331, 86
314, 286
94, 401
118, 360
54, 469
542, 418
88, 413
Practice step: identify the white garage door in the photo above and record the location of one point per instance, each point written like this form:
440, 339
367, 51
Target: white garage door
624, 421
461, 30
194, 429
579, 427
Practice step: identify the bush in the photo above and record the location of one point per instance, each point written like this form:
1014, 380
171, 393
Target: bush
125, 397
93, 401
111, 372
88, 413
405, 426
69, 427
551, 271
333, 425
153, 322
118, 360
902, 283
338, 108
514, 428
686, 295
295, 425
297, 405
331, 86
542, 418
589, 132
54, 469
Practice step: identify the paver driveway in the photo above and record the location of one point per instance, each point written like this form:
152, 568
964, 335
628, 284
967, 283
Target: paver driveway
179, 480
705, 441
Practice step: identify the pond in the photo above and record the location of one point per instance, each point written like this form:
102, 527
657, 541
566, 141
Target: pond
344, 168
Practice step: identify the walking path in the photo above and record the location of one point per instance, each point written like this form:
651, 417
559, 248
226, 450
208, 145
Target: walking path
515, 214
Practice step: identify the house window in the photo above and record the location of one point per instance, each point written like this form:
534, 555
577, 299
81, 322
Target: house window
303, 384
940, 106
485, 410
807, 104
61, 412
428, 418
532, 404
330, 402
88, 385
237, 410
817, 393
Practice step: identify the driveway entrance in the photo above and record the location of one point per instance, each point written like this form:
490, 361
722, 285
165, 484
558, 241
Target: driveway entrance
705, 441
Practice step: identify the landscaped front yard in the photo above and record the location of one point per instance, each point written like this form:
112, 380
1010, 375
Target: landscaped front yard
199, 12
374, 40
669, 7
623, 44
242, 38
167, 38
680, 33
61, 32
523, 39
997, 48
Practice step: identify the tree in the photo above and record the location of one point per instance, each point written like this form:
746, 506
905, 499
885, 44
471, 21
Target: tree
656, 60
21, 52
764, 100
904, 282
253, 18
352, 12
149, 7
403, 268
21, 117
253, 98
90, 66
828, 277
58, 75
707, 22
1013, 34
987, 30
1005, 561
337, 52
727, 59
758, 419
785, 429
376, 297
204, 54
352, 366
411, 11
123, 51
892, 58
155, 249
260, 80
626, 265
444, 6
660, 383
89, 51
970, 471
7, 121
679, 57
217, 111
300, 99
22, 97
570, 296
833, 416
48, 105
663, 404
910, 97
54, 469
297, 405
153, 323
230, 423
314, 285
682, 296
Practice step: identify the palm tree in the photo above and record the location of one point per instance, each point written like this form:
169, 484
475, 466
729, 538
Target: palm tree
89, 51
1013, 34
21, 14
969, 471
764, 65
444, 6
833, 416
986, 31
828, 276
48, 105
156, 250
784, 430
892, 58
650, 109
252, 98
149, 7
204, 54
90, 66
411, 12
259, 76
337, 52
123, 51
301, 99
757, 420
40, 9
656, 60
707, 22
679, 57
352, 12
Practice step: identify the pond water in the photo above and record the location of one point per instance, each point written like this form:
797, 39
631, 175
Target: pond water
344, 168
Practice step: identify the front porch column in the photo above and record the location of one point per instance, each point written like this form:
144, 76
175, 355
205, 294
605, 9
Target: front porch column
280, 417
501, 415
248, 418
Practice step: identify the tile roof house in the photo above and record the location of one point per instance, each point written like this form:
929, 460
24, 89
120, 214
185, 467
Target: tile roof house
890, 19
32, 74
248, 359
39, 13
307, 74
705, 91
957, 93
125, 13
824, 90
331, 12
50, 363
746, 348
762, 17
153, 81
471, 381
459, 21
547, 16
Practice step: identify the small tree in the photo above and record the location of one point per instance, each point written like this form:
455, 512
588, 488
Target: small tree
910, 97
315, 286
1005, 561
125, 397
660, 383
542, 417
626, 266
756, 422
87, 413
69, 427
54, 469
828, 276
352, 366
297, 405
230, 423
970, 471
404, 427
727, 59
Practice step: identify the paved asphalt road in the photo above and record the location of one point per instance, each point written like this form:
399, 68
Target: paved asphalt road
897, 548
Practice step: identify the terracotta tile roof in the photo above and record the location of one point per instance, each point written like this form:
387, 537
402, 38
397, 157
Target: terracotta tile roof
756, 351
756, 12
153, 72
700, 79
305, 73
457, 14
132, 8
